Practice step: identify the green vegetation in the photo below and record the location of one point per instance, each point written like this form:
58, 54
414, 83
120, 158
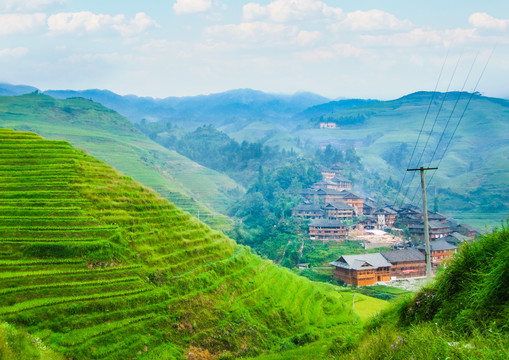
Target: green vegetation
471, 182
463, 314
113, 139
97, 266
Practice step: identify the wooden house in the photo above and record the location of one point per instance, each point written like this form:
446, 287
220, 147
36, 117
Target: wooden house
327, 196
386, 217
440, 250
328, 125
368, 223
364, 269
406, 263
307, 211
354, 201
338, 211
327, 230
437, 229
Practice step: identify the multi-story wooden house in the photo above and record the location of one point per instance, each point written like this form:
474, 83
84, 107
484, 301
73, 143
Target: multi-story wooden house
338, 211
386, 217
440, 250
354, 200
327, 230
406, 263
308, 211
364, 269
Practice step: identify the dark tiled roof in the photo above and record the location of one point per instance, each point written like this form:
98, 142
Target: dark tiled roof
438, 245
403, 255
339, 205
326, 223
362, 261
385, 211
307, 207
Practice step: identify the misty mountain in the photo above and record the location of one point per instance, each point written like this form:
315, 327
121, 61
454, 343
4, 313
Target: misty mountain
234, 106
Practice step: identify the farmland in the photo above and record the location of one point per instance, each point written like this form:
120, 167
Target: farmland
96, 265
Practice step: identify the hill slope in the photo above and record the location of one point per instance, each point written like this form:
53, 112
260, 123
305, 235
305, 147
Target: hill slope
471, 182
98, 266
112, 138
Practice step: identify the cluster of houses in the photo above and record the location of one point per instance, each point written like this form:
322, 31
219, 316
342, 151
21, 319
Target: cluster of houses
330, 203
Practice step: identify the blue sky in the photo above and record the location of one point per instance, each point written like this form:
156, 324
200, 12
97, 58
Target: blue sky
366, 49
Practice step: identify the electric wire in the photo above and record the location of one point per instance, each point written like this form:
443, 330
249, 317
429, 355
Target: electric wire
434, 124
422, 127
460, 119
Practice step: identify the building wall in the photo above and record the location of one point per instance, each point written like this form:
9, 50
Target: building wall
361, 277
408, 269
327, 234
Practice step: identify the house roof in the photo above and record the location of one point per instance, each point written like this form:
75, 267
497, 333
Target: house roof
307, 207
403, 255
326, 223
361, 261
456, 238
328, 191
349, 195
433, 225
438, 245
338, 205
385, 211
340, 178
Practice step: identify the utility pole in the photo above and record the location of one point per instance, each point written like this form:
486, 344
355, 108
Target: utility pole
426, 225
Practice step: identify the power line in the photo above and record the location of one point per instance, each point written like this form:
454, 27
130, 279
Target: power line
422, 127
453, 109
435, 122
461, 117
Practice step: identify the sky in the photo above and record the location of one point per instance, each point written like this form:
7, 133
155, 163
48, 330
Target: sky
379, 49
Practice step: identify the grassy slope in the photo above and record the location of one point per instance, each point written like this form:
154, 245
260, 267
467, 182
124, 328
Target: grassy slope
480, 144
463, 314
112, 138
98, 266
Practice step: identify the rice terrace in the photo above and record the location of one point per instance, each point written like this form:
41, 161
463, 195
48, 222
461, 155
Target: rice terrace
259, 180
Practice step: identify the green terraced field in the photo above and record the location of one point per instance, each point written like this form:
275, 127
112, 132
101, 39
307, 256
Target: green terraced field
110, 137
98, 266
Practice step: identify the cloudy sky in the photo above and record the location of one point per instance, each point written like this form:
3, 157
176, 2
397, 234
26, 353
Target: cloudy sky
363, 48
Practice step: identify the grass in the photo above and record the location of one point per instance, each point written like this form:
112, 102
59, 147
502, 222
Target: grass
109, 269
113, 139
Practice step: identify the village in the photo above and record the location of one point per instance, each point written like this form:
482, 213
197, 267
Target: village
335, 213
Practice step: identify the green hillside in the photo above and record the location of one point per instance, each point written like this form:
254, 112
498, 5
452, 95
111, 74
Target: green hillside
113, 139
471, 183
97, 266
463, 314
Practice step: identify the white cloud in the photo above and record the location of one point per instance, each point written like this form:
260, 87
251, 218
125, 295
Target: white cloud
253, 31
15, 23
420, 36
15, 53
288, 10
138, 24
372, 20
330, 53
27, 5
191, 6
86, 21
483, 20
82, 21
308, 37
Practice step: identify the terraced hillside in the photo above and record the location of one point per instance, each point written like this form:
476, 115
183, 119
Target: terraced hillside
113, 139
98, 266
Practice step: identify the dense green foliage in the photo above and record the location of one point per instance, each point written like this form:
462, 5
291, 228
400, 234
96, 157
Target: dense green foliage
463, 314
98, 266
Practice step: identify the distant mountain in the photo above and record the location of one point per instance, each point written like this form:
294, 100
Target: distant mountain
244, 105
471, 182
10, 90
331, 107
